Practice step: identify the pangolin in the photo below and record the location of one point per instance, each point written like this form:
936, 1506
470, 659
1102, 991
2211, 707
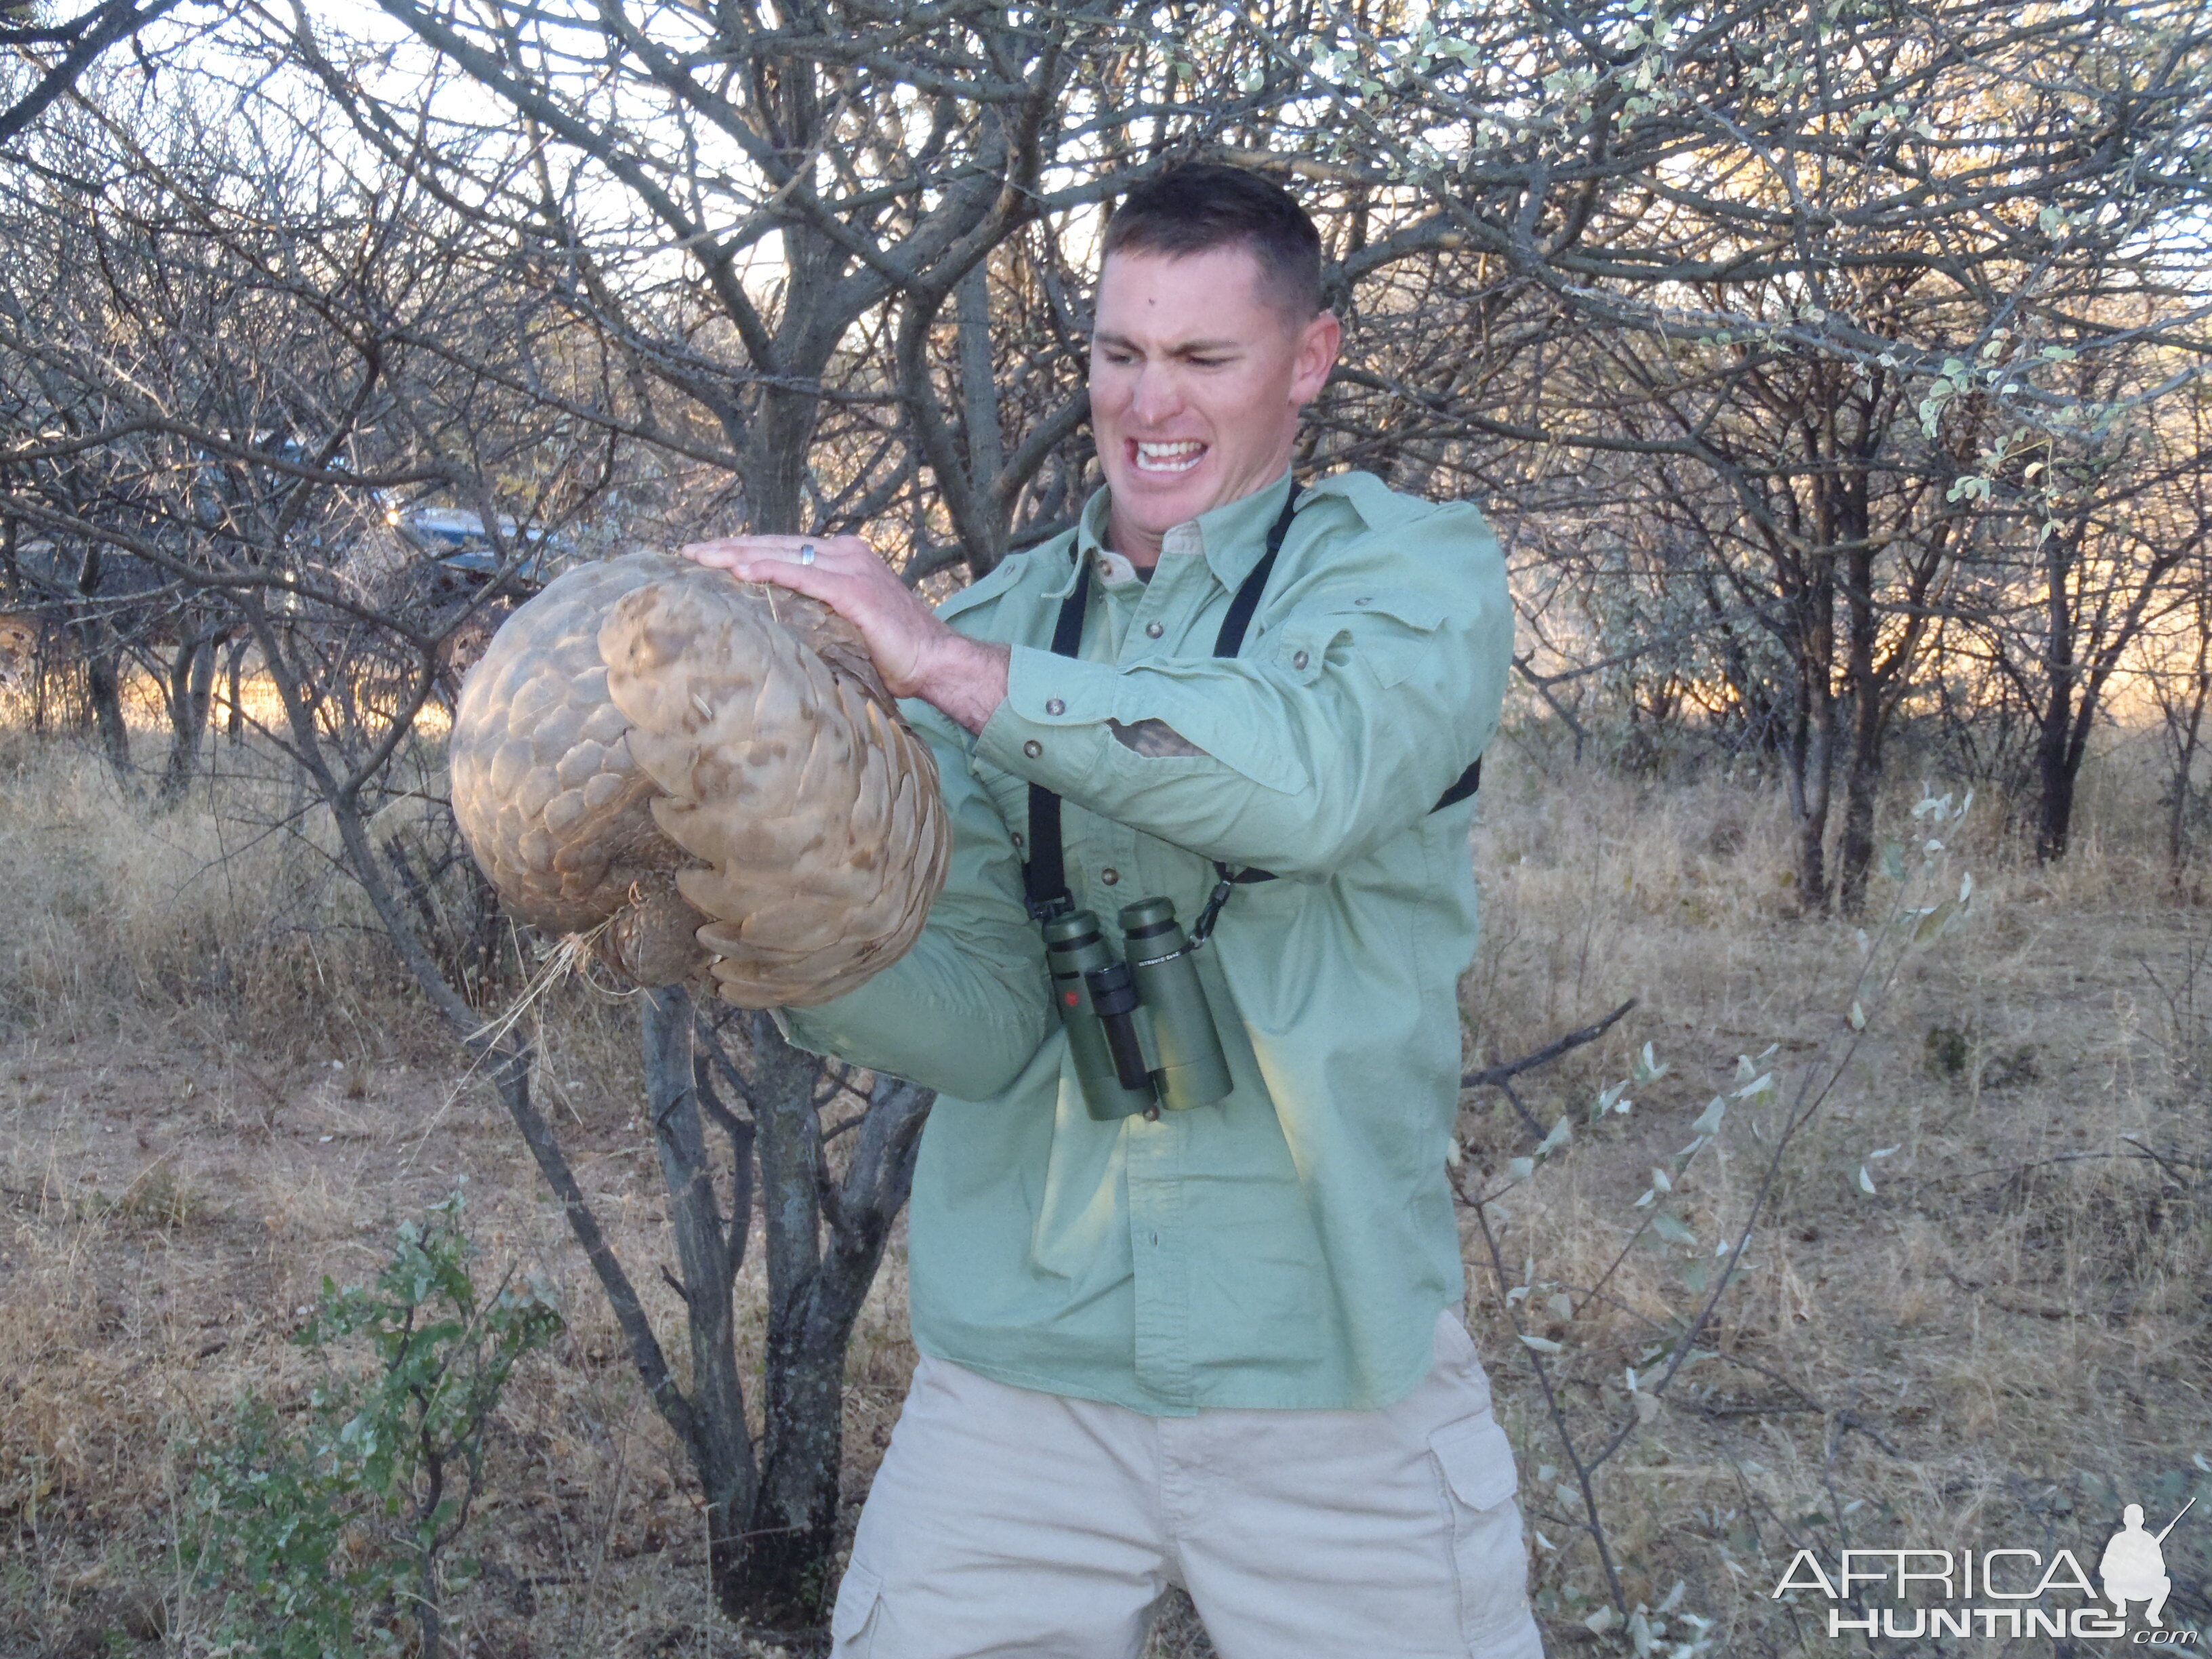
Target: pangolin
709, 772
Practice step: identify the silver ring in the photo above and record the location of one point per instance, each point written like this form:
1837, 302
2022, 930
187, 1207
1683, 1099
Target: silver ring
806, 553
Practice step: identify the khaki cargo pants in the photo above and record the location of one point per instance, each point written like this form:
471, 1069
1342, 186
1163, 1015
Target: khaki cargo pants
1020, 1525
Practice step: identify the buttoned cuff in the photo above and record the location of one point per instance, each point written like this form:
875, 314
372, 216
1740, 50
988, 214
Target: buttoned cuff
1052, 727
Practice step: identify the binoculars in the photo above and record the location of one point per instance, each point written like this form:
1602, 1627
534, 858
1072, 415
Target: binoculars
1141, 1032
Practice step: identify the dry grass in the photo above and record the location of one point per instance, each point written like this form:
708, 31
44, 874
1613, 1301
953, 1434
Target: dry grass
214, 1090
2000, 1345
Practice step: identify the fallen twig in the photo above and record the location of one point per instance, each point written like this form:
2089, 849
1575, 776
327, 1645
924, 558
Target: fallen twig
1497, 1076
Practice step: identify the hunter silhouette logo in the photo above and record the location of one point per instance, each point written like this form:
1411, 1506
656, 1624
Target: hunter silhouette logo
2134, 1565
1998, 1593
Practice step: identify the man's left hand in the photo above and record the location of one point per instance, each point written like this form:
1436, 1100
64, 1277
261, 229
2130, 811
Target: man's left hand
917, 656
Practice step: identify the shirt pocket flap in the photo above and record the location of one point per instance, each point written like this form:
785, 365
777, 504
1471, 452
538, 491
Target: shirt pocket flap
1416, 610
1308, 636
987, 587
1477, 1460
856, 1599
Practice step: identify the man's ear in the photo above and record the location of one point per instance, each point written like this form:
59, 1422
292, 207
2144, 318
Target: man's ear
1318, 344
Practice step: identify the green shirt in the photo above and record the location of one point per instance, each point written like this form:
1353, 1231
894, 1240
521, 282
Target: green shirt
1292, 1245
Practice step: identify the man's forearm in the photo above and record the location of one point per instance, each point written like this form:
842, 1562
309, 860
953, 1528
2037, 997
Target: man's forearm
965, 680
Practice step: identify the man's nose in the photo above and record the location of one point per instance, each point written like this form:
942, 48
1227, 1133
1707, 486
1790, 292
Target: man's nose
1157, 394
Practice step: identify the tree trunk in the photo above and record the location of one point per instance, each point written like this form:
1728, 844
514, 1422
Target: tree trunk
979, 399
191, 688
813, 1300
1862, 771
103, 673
427, 1619
709, 1250
233, 725
775, 483
1812, 757
2186, 741
2054, 817
795, 1514
103, 692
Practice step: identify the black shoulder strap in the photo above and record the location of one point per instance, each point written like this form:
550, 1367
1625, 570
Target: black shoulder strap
1246, 600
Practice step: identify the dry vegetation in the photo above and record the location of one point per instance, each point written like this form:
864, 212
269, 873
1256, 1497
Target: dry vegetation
214, 1091
2003, 1342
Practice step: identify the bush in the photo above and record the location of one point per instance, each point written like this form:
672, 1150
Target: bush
322, 1536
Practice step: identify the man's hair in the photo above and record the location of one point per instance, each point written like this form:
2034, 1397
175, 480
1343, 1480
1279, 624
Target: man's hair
1198, 206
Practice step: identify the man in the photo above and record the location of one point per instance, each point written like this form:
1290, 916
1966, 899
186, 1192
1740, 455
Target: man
1219, 1348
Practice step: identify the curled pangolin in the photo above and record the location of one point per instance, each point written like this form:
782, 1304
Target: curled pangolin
711, 769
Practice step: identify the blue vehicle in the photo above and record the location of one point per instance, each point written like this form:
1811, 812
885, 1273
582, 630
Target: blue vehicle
454, 538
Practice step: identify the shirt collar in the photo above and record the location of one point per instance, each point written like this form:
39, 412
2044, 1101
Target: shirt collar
1233, 537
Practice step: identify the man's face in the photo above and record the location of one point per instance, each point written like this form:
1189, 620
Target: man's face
1198, 372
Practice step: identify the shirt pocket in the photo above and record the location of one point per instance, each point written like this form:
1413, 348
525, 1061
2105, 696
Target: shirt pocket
1383, 629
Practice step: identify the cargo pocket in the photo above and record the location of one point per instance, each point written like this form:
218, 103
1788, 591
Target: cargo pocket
852, 1625
1488, 1555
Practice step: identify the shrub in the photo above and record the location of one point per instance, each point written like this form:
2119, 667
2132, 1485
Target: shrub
321, 1536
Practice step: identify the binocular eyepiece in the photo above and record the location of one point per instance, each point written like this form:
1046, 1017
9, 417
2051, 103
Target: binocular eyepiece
1141, 1032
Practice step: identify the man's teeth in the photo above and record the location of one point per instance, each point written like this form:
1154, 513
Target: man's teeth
1169, 458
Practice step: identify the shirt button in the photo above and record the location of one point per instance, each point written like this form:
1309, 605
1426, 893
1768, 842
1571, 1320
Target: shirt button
1055, 707
1110, 876
1018, 838
1153, 630
1299, 661
1032, 748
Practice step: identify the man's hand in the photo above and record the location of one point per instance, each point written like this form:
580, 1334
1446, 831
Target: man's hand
917, 656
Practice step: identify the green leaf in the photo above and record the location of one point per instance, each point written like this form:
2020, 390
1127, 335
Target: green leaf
1935, 921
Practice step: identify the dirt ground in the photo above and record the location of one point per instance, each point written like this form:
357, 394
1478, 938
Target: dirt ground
1972, 1312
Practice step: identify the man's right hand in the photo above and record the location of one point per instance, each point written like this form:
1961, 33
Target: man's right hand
917, 656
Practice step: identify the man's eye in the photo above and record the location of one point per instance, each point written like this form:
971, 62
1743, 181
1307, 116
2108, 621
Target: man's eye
1206, 362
